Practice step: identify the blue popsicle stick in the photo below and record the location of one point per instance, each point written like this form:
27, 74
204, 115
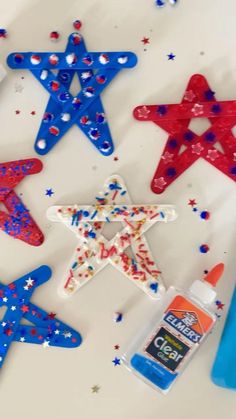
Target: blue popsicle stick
16, 296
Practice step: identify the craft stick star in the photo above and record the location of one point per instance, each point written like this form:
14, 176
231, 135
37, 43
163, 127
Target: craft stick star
17, 222
2, 72
198, 101
94, 251
95, 71
46, 329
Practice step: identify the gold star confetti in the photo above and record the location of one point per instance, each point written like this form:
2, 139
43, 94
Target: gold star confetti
95, 389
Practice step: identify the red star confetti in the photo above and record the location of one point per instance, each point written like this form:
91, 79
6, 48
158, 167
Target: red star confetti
219, 305
116, 347
145, 41
198, 102
192, 202
17, 112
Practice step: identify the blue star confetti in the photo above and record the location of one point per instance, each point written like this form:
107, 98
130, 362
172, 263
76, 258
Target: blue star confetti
63, 110
49, 192
162, 3
116, 361
45, 328
171, 56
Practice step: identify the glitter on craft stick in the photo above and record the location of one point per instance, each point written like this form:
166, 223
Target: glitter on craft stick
44, 328
95, 70
94, 251
17, 221
198, 101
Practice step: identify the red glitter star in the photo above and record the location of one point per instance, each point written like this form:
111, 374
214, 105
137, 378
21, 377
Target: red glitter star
192, 202
175, 119
220, 306
116, 347
33, 113
25, 308
116, 158
17, 112
145, 41
52, 315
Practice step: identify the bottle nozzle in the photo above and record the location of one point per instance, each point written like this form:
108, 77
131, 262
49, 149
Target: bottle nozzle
214, 275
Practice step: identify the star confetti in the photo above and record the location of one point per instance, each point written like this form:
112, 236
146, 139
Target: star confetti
95, 389
49, 192
171, 56
116, 361
192, 202
44, 330
95, 71
94, 251
175, 119
145, 41
162, 3
219, 305
17, 221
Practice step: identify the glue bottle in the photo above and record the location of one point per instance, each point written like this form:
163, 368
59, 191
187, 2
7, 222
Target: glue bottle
182, 323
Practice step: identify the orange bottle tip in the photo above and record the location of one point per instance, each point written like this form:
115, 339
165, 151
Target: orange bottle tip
214, 275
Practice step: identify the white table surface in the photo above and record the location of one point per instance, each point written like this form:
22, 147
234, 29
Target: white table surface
56, 383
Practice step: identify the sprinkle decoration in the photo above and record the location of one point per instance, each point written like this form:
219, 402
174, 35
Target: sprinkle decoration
17, 221
116, 361
198, 102
49, 192
219, 305
46, 330
94, 251
63, 110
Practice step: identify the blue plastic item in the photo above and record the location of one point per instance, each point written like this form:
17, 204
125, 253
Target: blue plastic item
45, 328
223, 373
95, 71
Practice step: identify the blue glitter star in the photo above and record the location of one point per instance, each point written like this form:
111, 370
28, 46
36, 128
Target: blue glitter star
171, 56
49, 192
116, 361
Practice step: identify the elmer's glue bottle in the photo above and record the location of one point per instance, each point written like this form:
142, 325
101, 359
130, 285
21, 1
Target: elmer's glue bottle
184, 320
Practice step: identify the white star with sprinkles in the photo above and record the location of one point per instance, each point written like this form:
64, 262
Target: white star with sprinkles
94, 251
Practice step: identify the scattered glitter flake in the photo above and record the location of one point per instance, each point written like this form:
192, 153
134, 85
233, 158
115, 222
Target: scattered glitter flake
32, 113
95, 389
117, 317
205, 215
116, 347
145, 41
171, 56
17, 112
77, 24
204, 248
116, 361
3, 33
192, 202
54, 36
219, 305
49, 192
18, 87
116, 158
